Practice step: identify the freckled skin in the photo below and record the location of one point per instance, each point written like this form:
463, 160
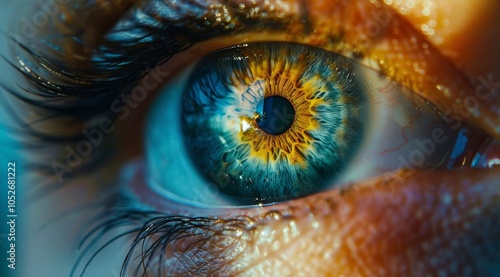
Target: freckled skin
397, 225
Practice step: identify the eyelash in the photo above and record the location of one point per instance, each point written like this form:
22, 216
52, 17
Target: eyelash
172, 226
70, 101
158, 231
51, 87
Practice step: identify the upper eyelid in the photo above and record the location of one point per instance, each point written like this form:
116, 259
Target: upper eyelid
121, 59
396, 48
159, 38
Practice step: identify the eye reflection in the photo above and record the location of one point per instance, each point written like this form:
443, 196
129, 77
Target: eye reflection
191, 224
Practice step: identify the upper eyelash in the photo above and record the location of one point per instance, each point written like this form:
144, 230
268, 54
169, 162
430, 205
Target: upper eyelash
83, 92
93, 86
155, 233
128, 52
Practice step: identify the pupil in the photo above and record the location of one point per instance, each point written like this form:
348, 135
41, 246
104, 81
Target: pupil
277, 113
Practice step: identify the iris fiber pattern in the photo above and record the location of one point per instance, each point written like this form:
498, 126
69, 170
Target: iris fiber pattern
306, 144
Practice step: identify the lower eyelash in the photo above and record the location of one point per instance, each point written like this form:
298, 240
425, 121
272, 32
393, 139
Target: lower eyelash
154, 234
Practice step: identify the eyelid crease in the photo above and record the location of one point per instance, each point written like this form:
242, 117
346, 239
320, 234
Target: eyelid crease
424, 70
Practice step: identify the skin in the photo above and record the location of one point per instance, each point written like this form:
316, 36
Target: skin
400, 224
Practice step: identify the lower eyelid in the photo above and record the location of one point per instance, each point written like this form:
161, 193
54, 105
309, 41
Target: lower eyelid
135, 186
390, 202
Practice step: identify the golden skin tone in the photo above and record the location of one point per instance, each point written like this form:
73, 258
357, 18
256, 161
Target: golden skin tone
371, 226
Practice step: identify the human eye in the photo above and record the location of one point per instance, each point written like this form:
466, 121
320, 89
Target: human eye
234, 241
272, 121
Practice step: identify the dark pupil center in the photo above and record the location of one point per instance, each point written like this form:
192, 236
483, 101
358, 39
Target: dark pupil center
277, 115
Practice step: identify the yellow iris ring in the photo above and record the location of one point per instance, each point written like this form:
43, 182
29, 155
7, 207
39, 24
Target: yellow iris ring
283, 80
272, 120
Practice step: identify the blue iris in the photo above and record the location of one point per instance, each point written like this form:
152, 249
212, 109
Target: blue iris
272, 121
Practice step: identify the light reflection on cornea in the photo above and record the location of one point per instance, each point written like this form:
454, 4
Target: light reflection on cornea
488, 155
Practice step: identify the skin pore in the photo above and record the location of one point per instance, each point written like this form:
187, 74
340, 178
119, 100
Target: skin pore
400, 224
